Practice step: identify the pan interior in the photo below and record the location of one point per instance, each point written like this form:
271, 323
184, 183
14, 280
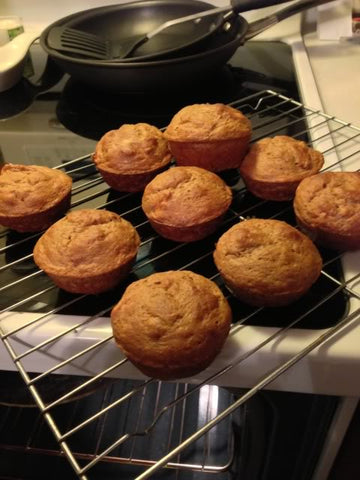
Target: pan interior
123, 24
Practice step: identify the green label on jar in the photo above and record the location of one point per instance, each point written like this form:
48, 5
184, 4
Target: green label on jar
14, 32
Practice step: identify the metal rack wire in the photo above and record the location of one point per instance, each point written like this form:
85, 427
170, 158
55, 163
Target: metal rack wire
271, 114
209, 457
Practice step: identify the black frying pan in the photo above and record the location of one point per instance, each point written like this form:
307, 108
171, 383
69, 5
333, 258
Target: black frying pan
131, 33
120, 24
171, 73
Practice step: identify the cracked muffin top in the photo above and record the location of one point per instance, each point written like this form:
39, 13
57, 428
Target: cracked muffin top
87, 242
281, 158
267, 260
171, 324
207, 122
28, 189
330, 201
133, 148
186, 196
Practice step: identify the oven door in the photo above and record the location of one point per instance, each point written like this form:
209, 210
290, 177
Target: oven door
274, 435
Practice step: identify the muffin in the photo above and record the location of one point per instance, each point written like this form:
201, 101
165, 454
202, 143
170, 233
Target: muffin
88, 251
128, 158
210, 136
171, 324
327, 208
186, 204
267, 263
32, 197
274, 167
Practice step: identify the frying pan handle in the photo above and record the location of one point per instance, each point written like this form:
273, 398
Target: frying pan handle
239, 6
259, 26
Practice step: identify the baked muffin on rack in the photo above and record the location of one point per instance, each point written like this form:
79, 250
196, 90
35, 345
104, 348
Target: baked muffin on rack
128, 158
171, 324
32, 197
274, 167
210, 136
327, 208
88, 251
267, 263
186, 204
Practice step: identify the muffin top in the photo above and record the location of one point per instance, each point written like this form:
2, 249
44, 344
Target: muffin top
330, 201
267, 255
133, 148
281, 158
88, 241
186, 196
207, 122
172, 319
27, 189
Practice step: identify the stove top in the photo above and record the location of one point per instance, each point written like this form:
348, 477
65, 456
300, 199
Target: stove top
61, 127
89, 113
66, 120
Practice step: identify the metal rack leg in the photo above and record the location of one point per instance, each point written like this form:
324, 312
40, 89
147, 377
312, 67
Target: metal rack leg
335, 436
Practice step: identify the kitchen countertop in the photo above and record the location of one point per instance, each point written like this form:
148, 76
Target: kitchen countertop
336, 69
334, 64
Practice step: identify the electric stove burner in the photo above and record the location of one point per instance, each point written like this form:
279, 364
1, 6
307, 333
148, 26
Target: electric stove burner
90, 112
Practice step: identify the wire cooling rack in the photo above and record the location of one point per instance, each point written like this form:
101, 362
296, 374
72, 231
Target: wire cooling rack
330, 306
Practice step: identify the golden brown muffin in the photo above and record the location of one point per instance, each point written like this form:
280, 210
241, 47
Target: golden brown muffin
88, 251
32, 197
327, 208
128, 158
274, 167
186, 204
211, 136
171, 324
267, 262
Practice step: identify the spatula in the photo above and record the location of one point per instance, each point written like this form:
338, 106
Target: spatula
67, 39
89, 45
